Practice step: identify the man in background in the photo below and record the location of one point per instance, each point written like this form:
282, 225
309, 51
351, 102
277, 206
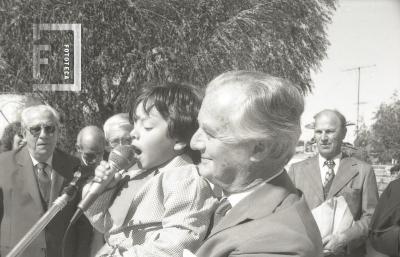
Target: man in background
117, 131
32, 177
331, 174
90, 145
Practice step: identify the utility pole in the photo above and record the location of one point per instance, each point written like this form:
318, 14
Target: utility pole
358, 69
4, 116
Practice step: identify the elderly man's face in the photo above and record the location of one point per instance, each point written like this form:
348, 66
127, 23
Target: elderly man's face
41, 134
92, 154
328, 135
118, 135
225, 160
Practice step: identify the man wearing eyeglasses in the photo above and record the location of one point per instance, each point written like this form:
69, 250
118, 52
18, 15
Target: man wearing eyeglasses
32, 177
117, 130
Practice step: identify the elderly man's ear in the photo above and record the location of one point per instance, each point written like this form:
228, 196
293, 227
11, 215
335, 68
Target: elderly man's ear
260, 151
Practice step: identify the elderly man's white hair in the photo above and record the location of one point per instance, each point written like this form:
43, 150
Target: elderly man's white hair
119, 119
39, 108
270, 108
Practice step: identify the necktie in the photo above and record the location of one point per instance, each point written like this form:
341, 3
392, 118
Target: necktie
44, 181
328, 176
223, 207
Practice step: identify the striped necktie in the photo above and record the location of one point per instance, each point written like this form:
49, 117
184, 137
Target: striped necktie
44, 181
223, 207
328, 176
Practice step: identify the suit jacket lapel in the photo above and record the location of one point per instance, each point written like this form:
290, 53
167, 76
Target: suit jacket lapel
26, 172
346, 171
315, 181
58, 177
56, 186
267, 198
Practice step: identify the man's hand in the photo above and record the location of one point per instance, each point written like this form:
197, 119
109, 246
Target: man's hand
335, 244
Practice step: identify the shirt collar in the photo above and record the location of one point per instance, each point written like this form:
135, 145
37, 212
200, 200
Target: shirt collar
35, 162
336, 159
179, 160
235, 198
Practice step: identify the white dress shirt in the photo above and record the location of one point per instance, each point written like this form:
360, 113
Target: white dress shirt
235, 198
48, 169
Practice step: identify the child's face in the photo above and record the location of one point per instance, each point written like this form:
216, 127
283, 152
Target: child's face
150, 137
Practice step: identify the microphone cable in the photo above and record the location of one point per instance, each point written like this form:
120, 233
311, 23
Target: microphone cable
64, 239
80, 176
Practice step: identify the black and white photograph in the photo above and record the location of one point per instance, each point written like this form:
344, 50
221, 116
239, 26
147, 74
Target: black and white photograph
208, 128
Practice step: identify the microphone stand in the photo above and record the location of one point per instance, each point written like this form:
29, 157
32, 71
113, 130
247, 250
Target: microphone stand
34, 232
69, 193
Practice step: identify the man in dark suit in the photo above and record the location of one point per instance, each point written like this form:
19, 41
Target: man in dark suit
249, 124
331, 174
384, 231
32, 177
90, 146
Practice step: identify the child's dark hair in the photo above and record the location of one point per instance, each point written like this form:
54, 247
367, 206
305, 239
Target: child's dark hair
178, 104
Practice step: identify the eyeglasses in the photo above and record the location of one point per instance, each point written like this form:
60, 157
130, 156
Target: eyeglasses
48, 129
92, 158
120, 141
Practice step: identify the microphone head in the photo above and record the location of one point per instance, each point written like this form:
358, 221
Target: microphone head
122, 157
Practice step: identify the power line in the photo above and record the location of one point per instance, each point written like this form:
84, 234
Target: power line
4, 116
358, 69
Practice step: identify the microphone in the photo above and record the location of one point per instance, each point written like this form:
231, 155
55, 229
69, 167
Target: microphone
80, 177
75, 184
121, 158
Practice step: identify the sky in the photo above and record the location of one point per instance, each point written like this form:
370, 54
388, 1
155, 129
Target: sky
363, 33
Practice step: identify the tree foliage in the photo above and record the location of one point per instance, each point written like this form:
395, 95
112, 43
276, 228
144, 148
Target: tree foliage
382, 140
386, 129
364, 145
126, 43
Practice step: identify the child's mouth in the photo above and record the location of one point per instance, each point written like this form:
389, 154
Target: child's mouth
137, 151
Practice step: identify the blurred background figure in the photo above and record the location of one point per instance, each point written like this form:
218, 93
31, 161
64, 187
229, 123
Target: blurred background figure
12, 137
116, 130
90, 145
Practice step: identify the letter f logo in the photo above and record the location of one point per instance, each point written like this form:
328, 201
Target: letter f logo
36, 52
